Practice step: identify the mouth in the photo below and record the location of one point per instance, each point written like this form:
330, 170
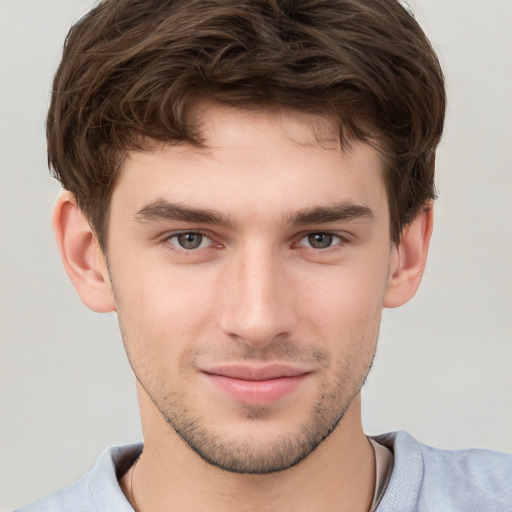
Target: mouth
257, 385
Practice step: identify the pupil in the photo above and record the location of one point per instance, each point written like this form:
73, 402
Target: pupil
190, 240
320, 240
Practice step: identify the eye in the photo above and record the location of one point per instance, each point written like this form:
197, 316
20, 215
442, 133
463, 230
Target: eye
190, 240
320, 240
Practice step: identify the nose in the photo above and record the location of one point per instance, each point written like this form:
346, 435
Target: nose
258, 303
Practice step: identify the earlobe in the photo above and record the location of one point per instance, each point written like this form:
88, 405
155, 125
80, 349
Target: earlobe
81, 255
409, 260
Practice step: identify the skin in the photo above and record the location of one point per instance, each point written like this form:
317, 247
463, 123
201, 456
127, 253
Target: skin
292, 268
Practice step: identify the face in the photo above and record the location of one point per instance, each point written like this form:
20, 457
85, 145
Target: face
249, 278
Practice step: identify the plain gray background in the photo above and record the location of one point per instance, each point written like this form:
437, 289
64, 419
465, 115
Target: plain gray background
443, 368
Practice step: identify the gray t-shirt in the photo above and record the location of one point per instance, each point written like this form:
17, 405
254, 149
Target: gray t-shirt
424, 479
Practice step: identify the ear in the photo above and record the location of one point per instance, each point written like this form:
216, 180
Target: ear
81, 255
409, 259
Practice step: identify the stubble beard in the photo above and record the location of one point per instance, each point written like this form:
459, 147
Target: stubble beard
256, 456
249, 456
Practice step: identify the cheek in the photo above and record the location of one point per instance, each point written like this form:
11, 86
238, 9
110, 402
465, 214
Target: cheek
347, 296
165, 296
343, 314
161, 315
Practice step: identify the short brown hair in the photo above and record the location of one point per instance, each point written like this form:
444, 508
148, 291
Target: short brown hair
132, 68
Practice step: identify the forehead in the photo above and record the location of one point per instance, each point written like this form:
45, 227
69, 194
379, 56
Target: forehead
252, 160
227, 125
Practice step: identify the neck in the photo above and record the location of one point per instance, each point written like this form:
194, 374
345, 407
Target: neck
337, 476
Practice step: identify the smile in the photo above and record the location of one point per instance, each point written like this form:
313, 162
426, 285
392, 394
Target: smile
257, 386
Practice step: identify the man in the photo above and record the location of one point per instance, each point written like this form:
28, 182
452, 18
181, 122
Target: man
248, 184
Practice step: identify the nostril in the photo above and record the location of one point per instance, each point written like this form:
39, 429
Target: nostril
256, 305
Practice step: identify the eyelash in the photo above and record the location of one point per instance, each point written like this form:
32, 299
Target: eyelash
342, 240
182, 250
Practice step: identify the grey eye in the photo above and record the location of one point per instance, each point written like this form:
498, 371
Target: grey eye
320, 240
189, 240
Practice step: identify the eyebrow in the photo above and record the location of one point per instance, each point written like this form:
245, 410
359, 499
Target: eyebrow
320, 215
164, 210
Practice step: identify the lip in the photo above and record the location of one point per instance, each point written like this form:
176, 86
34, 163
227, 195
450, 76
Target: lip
257, 385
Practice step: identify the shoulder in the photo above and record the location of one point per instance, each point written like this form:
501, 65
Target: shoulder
448, 480
76, 497
98, 490
483, 471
